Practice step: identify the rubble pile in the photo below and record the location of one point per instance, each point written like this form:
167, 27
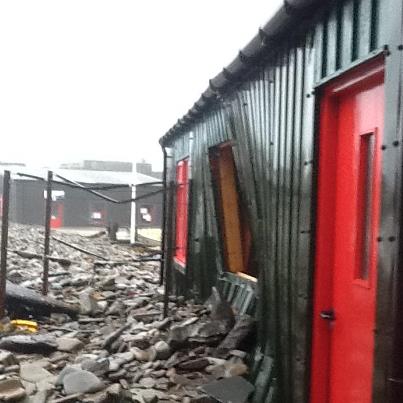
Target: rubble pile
114, 344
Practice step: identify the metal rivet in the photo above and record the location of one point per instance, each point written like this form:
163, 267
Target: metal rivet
392, 239
308, 95
400, 47
383, 147
379, 239
395, 143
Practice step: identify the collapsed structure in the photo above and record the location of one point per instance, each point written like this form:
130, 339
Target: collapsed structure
285, 181
100, 335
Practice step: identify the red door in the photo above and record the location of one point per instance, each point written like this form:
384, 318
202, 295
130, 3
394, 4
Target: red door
182, 196
351, 125
56, 219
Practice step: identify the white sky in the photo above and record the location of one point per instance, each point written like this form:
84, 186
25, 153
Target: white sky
105, 79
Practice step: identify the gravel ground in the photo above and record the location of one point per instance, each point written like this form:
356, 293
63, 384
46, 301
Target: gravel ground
118, 348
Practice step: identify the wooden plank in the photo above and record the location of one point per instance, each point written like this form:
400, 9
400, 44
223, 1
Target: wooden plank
20, 299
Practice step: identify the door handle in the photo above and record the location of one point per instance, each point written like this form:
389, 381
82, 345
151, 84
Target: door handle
328, 315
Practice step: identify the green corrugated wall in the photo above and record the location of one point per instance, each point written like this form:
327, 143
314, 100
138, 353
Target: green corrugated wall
270, 117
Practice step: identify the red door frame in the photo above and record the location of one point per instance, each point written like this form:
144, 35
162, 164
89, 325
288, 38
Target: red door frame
182, 198
366, 74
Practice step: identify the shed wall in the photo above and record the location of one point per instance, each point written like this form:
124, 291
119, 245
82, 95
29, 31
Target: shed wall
270, 117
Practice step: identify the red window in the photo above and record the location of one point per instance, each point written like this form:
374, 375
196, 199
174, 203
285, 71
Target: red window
182, 194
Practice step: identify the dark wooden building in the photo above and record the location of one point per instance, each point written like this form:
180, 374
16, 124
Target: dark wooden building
288, 174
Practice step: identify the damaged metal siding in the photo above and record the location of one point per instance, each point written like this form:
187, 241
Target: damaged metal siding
270, 117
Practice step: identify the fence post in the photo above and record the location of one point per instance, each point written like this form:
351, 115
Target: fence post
133, 224
168, 252
48, 212
4, 241
163, 218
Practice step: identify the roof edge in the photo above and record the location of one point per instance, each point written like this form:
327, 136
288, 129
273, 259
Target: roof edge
288, 14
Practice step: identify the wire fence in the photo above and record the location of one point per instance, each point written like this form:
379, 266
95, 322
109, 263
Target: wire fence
50, 181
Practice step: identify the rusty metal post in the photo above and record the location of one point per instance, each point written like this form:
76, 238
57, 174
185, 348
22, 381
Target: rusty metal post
4, 242
163, 223
48, 213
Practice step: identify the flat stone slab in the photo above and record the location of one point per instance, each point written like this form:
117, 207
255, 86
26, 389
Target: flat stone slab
69, 344
81, 382
229, 390
29, 344
34, 373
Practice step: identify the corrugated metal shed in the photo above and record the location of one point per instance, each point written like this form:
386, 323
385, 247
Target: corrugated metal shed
268, 111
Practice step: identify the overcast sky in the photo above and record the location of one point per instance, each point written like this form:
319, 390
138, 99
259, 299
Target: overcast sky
97, 79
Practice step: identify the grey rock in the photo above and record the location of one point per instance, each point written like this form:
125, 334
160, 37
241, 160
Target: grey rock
113, 394
197, 364
140, 340
81, 382
12, 368
163, 324
47, 384
115, 376
97, 367
69, 344
7, 358
147, 382
66, 371
178, 335
163, 351
33, 373
140, 355
117, 308
238, 353
243, 327
40, 344
235, 389
150, 397
179, 380
158, 374
115, 335
39, 397
202, 399
210, 333
219, 307
30, 388
88, 304
144, 396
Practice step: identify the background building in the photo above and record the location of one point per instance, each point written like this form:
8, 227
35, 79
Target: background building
74, 207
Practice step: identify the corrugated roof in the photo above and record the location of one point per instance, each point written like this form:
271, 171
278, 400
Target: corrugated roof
287, 17
81, 175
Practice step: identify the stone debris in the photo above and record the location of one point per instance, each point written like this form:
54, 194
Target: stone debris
112, 344
230, 390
